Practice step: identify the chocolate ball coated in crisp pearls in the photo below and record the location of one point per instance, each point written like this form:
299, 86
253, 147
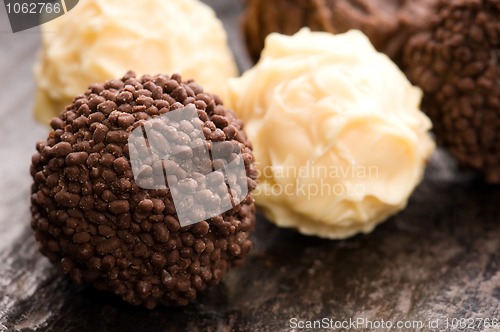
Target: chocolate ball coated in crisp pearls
456, 61
100, 227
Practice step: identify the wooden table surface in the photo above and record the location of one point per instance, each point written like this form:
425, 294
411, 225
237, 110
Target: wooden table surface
438, 259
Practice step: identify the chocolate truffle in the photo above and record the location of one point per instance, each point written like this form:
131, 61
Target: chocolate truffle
91, 217
456, 63
388, 23
339, 140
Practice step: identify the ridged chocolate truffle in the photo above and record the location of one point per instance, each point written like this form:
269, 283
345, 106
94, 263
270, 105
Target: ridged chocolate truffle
456, 63
93, 220
387, 23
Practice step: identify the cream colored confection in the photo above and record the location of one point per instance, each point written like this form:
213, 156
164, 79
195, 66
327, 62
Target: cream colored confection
103, 39
338, 135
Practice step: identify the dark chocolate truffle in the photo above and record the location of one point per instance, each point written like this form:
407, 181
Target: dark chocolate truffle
387, 23
93, 220
456, 63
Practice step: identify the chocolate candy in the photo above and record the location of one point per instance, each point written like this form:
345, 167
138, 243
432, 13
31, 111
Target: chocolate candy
98, 224
455, 62
388, 23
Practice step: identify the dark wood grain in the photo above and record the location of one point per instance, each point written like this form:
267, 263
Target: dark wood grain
439, 258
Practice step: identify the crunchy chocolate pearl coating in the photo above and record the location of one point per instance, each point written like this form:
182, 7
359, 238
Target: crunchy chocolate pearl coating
93, 220
456, 63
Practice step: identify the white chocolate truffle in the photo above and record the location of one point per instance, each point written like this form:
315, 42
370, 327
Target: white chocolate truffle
338, 136
102, 39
